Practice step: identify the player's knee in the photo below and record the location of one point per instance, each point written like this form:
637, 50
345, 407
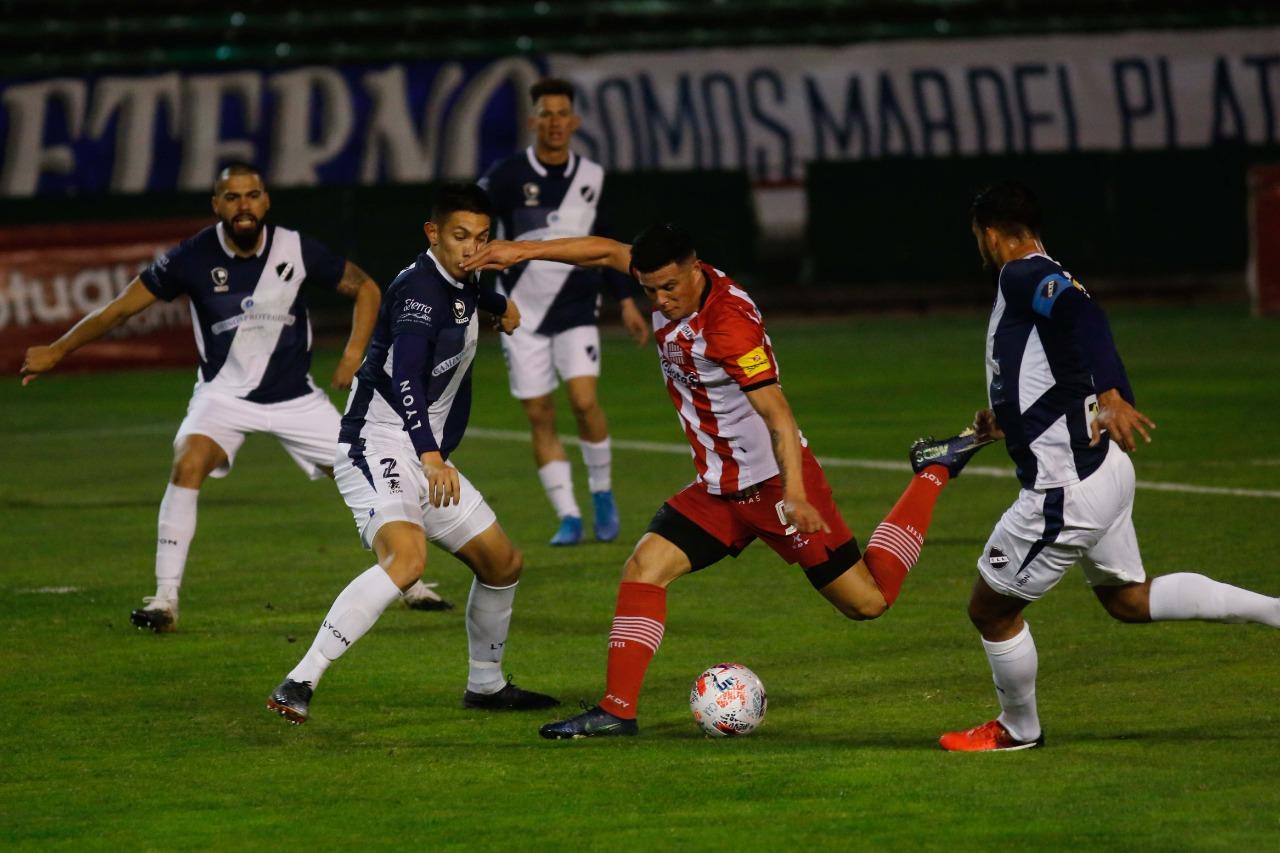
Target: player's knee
188, 472
1129, 604
987, 623
639, 569
507, 571
541, 412
863, 610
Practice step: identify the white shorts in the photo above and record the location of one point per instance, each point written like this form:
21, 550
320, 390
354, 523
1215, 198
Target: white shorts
534, 360
384, 482
307, 426
1046, 531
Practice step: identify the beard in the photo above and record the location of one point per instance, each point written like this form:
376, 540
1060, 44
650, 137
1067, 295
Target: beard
246, 239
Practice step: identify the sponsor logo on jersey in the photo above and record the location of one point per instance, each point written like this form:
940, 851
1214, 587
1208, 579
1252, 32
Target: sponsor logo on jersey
997, 559
413, 311
686, 332
756, 361
219, 276
1050, 288
531, 193
447, 365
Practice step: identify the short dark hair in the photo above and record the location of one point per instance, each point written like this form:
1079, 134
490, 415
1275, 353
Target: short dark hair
1009, 206
459, 195
235, 169
659, 245
551, 86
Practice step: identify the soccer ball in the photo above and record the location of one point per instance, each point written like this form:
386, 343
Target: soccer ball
728, 700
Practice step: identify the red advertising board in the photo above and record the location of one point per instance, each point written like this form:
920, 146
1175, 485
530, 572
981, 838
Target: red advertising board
52, 275
1264, 239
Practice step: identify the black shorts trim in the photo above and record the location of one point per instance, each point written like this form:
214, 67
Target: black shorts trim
840, 561
698, 545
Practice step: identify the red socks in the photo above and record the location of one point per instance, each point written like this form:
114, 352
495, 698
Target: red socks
895, 545
638, 623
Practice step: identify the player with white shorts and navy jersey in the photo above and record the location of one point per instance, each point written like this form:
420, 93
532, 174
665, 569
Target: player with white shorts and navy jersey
1061, 400
541, 193
245, 280
406, 414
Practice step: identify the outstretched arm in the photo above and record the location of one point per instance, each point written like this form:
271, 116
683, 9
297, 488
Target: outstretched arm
356, 285
578, 251
42, 359
770, 403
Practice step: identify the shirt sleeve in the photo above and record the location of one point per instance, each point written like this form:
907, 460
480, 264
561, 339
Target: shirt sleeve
1065, 302
413, 343
737, 342
324, 268
163, 276
621, 285
490, 300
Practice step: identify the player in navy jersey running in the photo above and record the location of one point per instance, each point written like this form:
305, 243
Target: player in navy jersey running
1061, 400
757, 478
406, 414
253, 334
544, 192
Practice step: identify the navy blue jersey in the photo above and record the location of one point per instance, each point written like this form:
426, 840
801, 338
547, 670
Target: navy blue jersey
1049, 354
535, 201
416, 377
250, 320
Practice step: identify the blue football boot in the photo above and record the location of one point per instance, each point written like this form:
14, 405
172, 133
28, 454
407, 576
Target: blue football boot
570, 532
606, 521
593, 722
951, 453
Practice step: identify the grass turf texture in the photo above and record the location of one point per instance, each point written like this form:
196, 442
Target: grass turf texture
1159, 736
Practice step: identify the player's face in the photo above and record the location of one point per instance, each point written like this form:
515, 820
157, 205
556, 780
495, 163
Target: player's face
554, 121
984, 247
676, 289
460, 236
241, 203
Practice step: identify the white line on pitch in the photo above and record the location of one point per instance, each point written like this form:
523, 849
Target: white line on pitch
675, 450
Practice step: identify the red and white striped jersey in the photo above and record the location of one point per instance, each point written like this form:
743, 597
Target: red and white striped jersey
711, 359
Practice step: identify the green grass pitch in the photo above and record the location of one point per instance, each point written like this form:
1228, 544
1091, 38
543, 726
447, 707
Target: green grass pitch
1161, 736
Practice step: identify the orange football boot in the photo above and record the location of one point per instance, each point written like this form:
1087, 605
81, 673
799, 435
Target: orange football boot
988, 737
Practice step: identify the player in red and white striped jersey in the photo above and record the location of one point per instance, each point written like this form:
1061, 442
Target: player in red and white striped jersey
757, 478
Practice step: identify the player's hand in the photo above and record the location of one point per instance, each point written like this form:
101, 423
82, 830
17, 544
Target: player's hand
633, 321
494, 255
38, 360
1122, 420
345, 372
510, 319
442, 480
986, 425
802, 514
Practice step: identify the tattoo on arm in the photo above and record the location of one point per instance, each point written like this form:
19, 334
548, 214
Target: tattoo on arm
352, 279
775, 437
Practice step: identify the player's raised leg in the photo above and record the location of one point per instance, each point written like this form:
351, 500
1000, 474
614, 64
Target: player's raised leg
597, 454
497, 565
195, 457
639, 622
401, 548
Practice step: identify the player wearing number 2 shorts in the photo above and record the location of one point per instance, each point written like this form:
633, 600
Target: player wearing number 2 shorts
757, 478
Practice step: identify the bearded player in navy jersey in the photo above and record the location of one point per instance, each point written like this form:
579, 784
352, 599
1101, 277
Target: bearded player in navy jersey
245, 280
406, 414
1061, 401
544, 192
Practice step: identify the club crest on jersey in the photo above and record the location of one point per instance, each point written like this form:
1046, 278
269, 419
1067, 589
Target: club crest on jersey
459, 310
672, 352
531, 193
219, 276
284, 269
588, 194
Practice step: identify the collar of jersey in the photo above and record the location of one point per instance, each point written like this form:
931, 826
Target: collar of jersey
444, 273
231, 253
536, 164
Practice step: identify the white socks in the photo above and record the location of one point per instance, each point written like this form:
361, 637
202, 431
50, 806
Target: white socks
1190, 596
557, 480
175, 529
353, 613
599, 459
488, 618
1013, 668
